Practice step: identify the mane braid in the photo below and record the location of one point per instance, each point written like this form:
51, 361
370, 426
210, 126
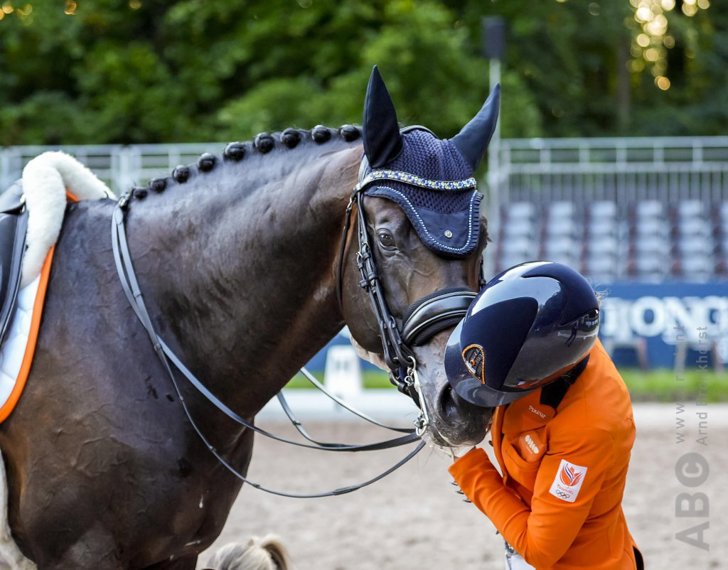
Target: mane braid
263, 143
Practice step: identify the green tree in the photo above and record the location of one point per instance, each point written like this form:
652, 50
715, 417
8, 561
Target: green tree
578, 61
157, 71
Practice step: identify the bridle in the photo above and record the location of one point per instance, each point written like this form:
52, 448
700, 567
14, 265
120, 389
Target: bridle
426, 317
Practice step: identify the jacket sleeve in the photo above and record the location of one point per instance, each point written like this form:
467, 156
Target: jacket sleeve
544, 532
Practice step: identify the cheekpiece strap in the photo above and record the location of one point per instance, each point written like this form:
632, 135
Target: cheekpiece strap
414, 180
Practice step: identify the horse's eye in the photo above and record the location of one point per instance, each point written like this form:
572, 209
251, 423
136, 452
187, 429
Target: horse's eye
386, 239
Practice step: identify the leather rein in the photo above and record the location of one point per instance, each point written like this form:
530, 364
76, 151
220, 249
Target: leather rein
433, 313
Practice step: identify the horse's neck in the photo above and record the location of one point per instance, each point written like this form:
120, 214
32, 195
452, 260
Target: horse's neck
241, 281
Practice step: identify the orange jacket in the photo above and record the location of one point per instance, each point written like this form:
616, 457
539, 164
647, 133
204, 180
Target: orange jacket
558, 502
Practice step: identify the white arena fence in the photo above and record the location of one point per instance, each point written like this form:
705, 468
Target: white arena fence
618, 169
121, 167
668, 169
646, 219
623, 170
636, 209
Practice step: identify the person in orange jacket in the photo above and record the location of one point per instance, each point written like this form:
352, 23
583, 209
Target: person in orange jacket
562, 429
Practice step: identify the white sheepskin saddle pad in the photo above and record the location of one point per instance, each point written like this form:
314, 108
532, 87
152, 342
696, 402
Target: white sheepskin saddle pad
46, 180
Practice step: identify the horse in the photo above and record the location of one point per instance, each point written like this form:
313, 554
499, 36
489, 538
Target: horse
248, 264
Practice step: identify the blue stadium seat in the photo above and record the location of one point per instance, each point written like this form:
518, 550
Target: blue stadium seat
690, 209
649, 209
520, 210
603, 245
519, 227
606, 240
602, 209
601, 268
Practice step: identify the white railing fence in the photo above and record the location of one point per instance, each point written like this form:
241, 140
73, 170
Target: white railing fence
119, 166
619, 169
539, 174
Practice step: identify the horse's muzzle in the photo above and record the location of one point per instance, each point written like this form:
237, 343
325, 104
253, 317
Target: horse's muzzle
452, 421
457, 422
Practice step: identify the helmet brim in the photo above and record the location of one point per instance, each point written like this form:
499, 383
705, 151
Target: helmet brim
467, 386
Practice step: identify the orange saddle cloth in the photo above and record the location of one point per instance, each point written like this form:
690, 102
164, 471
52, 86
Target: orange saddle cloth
16, 353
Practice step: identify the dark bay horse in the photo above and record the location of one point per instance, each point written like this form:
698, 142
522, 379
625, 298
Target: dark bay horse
241, 263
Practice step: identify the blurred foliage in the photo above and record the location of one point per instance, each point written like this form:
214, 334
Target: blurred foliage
76, 71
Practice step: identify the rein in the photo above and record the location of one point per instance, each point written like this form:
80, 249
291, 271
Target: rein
424, 319
132, 291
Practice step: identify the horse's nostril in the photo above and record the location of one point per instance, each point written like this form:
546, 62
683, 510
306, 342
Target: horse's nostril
459, 422
447, 405
452, 406
460, 403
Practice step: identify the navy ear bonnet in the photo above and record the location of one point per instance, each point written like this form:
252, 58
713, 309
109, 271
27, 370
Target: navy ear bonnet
430, 179
434, 185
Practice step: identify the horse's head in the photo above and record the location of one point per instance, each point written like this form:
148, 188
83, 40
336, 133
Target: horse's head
420, 236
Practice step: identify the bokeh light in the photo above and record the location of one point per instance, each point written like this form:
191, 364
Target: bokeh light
650, 45
662, 82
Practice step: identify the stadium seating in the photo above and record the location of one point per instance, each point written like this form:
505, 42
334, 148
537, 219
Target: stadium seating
608, 241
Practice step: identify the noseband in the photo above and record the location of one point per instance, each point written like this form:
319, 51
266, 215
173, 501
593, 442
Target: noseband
425, 317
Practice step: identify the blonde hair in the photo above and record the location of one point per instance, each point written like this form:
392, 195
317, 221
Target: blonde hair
267, 553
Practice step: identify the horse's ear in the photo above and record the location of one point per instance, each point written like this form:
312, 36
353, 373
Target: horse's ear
472, 141
382, 141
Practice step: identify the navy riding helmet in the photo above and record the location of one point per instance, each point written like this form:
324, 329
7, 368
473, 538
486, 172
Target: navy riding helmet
529, 326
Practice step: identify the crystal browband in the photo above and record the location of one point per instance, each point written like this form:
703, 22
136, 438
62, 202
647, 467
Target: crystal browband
414, 180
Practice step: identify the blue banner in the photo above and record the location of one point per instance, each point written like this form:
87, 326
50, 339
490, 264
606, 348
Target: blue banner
659, 325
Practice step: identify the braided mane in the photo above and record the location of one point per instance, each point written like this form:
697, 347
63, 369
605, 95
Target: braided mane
263, 144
